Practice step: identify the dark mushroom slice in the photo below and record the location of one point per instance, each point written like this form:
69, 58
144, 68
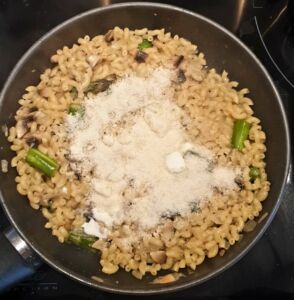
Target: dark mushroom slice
33, 109
78, 176
88, 215
33, 142
239, 181
28, 119
108, 37
195, 207
98, 86
21, 126
45, 178
178, 61
181, 77
170, 216
141, 57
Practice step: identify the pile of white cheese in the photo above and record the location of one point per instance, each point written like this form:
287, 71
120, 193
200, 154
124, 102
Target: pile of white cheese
132, 147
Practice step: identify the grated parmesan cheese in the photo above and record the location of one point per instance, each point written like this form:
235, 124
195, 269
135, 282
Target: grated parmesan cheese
143, 164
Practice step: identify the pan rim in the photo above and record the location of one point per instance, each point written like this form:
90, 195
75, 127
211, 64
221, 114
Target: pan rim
159, 289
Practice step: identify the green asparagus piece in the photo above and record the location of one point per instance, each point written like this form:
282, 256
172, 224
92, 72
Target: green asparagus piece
41, 162
75, 108
254, 173
82, 240
145, 44
240, 134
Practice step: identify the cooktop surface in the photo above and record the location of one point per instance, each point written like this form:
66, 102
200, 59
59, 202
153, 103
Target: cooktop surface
267, 27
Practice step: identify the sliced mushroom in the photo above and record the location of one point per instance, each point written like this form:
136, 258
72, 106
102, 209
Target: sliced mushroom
178, 61
33, 109
167, 278
28, 119
78, 176
249, 226
88, 215
155, 244
45, 178
240, 183
108, 37
22, 124
92, 60
181, 77
141, 57
21, 129
98, 86
99, 245
33, 141
158, 256
195, 207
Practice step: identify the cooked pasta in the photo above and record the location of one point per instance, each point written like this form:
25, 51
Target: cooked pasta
212, 104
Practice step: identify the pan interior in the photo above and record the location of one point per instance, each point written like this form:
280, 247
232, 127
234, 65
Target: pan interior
223, 52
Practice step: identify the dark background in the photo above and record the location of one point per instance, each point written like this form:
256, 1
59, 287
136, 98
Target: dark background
268, 269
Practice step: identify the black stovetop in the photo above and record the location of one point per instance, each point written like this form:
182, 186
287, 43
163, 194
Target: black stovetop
267, 27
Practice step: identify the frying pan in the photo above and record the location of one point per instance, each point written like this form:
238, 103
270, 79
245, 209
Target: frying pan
27, 241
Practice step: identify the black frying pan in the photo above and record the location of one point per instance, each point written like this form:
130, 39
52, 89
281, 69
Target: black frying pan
223, 51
